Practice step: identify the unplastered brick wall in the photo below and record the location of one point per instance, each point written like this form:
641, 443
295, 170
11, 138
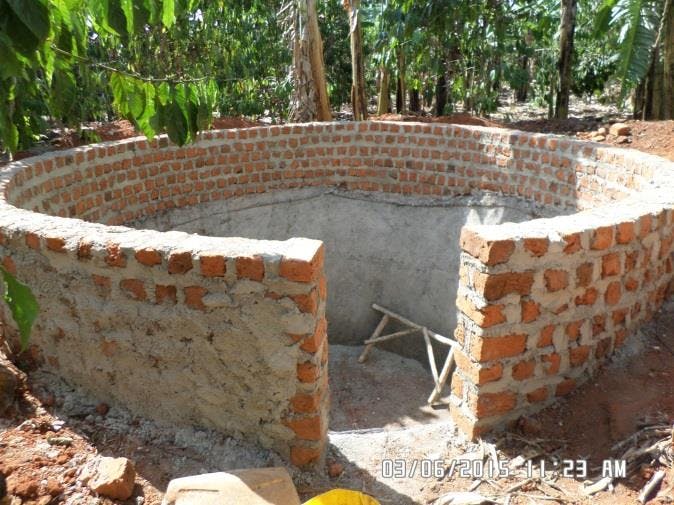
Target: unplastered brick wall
229, 333
542, 303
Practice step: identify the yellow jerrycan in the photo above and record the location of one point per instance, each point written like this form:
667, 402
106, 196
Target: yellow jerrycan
342, 497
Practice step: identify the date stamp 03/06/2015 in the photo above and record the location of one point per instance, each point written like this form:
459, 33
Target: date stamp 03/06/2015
478, 469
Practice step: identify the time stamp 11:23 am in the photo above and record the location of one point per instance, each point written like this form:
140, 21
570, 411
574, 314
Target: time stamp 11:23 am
478, 469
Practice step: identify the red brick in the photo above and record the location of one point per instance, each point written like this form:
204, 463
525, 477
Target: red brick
537, 246
250, 268
565, 387
474, 372
530, 311
302, 271
578, 355
314, 342
301, 456
108, 348
101, 281
194, 297
625, 233
598, 324
308, 428
556, 280
545, 337
572, 243
465, 424
148, 257
212, 265
307, 303
134, 288
165, 294
645, 225
115, 257
573, 330
485, 317
33, 241
84, 250
620, 336
603, 348
523, 369
307, 372
489, 252
56, 244
537, 395
180, 262
9, 265
491, 404
491, 348
322, 288
306, 403
613, 293
495, 286
610, 265
589, 297
602, 238
631, 284
551, 363
619, 316
584, 275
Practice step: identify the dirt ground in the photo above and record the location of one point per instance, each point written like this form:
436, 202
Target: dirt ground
375, 421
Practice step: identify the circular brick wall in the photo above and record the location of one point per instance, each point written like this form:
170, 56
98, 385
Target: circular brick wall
539, 303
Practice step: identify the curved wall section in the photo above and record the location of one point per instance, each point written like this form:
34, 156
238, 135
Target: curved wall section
230, 333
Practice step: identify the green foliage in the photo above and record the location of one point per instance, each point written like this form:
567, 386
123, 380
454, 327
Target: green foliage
638, 22
22, 304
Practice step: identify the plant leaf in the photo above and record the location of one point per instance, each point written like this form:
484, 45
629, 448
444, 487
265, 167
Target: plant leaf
22, 304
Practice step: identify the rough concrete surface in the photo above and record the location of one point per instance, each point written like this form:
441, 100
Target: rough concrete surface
399, 252
388, 391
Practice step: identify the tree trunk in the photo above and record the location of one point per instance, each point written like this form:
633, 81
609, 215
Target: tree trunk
415, 101
441, 90
654, 95
567, 28
384, 100
358, 96
668, 62
400, 88
310, 93
522, 91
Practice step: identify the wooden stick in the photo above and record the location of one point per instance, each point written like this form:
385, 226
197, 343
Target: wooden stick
444, 375
375, 334
431, 356
412, 324
390, 336
650, 486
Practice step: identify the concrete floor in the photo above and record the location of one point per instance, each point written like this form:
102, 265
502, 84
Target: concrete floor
387, 392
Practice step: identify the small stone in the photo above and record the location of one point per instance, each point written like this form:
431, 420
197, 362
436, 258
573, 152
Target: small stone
620, 129
622, 140
111, 477
529, 426
602, 131
598, 138
102, 408
8, 385
335, 469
